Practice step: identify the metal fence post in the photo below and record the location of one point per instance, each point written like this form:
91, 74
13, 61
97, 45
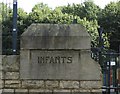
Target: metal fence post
14, 32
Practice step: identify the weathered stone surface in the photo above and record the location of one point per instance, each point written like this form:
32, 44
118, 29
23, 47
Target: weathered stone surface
11, 63
40, 91
61, 91
32, 68
54, 36
8, 91
12, 84
1, 75
97, 91
1, 84
0, 62
90, 84
69, 84
50, 70
81, 91
0, 91
36, 90
51, 84
68, 74
1, 68
32, 84
11, 75
57, 52
21, 91
31, 91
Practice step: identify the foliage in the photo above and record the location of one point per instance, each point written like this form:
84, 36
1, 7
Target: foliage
87, 14
110, 21
57, 17
92, 29
22, 20
87, 9
1, 12
7, 25
39, 12
90, 10
74, 9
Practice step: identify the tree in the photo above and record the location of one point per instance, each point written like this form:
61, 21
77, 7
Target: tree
1, 12
57, 16
110, 21
7, 25
92, 29
90, 10
39, 12
87, 9
22, 20
74, 9
4, 11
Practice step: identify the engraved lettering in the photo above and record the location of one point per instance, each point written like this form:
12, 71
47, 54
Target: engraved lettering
56, 59
46, 59
69, 60
38, 59
41, 60
63, 59
52, 60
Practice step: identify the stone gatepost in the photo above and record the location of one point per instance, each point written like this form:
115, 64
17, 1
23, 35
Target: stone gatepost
58, 58
54, 59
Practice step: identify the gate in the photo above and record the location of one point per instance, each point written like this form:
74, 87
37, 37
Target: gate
110, 70
109, 61
110, 64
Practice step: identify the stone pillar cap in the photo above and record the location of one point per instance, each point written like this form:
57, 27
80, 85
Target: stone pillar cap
55, 36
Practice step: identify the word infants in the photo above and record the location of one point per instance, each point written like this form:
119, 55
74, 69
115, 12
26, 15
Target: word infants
55, 59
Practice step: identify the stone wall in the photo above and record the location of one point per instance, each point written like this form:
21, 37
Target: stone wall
1, 81
12, 84
0, 57
54, 59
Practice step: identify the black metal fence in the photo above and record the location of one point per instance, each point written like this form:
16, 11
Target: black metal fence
7, 44
110, 64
